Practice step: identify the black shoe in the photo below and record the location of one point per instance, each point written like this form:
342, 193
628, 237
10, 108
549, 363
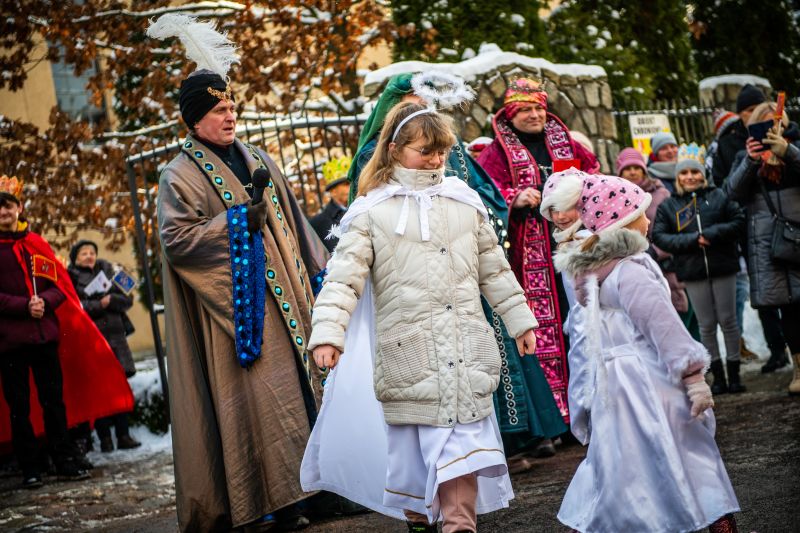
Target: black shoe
83, 445
734, 383
290, 518
33, 481
719, 386
126, 442
71, 472
106, 445
83, 463
776, 360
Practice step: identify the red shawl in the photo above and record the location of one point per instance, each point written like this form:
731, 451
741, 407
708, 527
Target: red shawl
94, 382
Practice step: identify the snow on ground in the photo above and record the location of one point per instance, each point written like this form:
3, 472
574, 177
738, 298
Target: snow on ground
146, 382
152, 444
753, 335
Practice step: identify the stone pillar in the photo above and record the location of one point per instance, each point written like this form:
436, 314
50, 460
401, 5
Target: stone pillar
721, 91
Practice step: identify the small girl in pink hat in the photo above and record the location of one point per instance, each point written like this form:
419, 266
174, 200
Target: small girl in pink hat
652, 462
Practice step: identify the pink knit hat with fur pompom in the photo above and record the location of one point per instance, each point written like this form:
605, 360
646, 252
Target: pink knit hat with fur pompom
561, 191
609, 202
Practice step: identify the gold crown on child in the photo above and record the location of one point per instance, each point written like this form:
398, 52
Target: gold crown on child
11, 185
692, 151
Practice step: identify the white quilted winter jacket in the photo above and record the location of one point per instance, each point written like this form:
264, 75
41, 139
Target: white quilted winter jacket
437, 361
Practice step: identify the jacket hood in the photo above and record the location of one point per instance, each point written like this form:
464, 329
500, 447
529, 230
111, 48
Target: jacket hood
612, 245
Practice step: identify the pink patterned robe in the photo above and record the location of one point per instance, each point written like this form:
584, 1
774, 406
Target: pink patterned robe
513, 169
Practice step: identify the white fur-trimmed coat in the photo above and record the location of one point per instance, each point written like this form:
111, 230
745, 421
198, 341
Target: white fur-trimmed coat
647, 456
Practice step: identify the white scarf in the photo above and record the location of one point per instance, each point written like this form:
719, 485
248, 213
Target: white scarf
450, 187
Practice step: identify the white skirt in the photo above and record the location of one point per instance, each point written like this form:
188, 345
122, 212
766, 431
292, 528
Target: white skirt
354, 453
423, 457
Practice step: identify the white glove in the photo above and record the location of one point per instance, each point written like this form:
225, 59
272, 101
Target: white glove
700, 395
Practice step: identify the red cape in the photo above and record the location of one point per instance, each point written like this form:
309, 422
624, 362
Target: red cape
94, 382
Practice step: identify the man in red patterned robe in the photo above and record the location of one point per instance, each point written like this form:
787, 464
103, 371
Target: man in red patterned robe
530, 144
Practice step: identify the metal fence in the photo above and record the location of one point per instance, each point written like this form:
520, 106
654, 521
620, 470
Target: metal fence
689, 120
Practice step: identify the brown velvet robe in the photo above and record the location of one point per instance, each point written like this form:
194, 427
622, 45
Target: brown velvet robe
238, 435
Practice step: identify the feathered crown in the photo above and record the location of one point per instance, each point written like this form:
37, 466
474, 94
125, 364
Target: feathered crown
11, 185
208, 48
336, 168
441, 89
693, 152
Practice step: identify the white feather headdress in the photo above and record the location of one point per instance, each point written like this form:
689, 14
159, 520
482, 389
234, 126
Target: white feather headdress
204, 45
441, 89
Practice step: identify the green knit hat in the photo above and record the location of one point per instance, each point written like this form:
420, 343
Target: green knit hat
397, 87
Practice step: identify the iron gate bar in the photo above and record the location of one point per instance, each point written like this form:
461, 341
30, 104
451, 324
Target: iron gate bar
314, 164
148, 281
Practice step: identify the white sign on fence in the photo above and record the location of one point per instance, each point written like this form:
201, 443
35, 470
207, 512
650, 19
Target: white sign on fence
645, 126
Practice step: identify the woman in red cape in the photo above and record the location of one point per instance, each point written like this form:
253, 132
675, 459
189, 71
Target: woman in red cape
94, 383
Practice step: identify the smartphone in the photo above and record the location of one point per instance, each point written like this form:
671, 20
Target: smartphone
758, 131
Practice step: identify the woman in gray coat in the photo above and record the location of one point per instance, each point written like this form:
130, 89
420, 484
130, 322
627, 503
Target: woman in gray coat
107, 310
773, 283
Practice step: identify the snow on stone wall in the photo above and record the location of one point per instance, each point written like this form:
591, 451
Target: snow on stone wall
578, 94
721, 91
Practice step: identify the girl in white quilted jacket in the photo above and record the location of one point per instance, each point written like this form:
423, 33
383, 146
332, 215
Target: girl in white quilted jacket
422, 243
636, 382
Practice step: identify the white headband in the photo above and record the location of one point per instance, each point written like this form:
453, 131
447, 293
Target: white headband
409, 117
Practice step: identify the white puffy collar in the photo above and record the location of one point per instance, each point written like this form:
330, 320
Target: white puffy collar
417, 179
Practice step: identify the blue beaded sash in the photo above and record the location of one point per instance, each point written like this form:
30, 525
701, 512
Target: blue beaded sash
266, 276
247, 276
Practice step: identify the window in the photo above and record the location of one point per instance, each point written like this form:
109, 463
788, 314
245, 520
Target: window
72, 95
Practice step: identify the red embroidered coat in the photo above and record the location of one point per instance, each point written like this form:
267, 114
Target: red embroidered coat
513, 169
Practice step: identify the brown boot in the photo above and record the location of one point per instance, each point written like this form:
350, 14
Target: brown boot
794, 386
726, 524
746, 354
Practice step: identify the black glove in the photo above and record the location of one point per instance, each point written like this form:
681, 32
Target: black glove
256, 214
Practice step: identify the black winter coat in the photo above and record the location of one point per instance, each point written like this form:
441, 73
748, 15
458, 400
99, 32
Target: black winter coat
323, 221
771, 283
722, 220
730, 143
110, 320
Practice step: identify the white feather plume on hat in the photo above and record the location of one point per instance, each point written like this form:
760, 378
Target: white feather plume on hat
204, 45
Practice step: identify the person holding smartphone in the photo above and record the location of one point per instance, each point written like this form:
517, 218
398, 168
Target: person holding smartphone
756, 182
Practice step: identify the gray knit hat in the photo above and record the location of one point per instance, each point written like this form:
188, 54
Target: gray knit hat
662, 139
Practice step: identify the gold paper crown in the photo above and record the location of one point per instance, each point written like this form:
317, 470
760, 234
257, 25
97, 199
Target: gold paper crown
11, 185
336, 168
692, 151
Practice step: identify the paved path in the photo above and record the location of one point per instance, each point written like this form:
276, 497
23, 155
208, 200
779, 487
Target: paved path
758, 433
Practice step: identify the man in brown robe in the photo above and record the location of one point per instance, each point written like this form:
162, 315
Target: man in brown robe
238, 433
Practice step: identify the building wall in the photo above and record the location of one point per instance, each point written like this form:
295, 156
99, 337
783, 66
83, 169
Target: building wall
34, 102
